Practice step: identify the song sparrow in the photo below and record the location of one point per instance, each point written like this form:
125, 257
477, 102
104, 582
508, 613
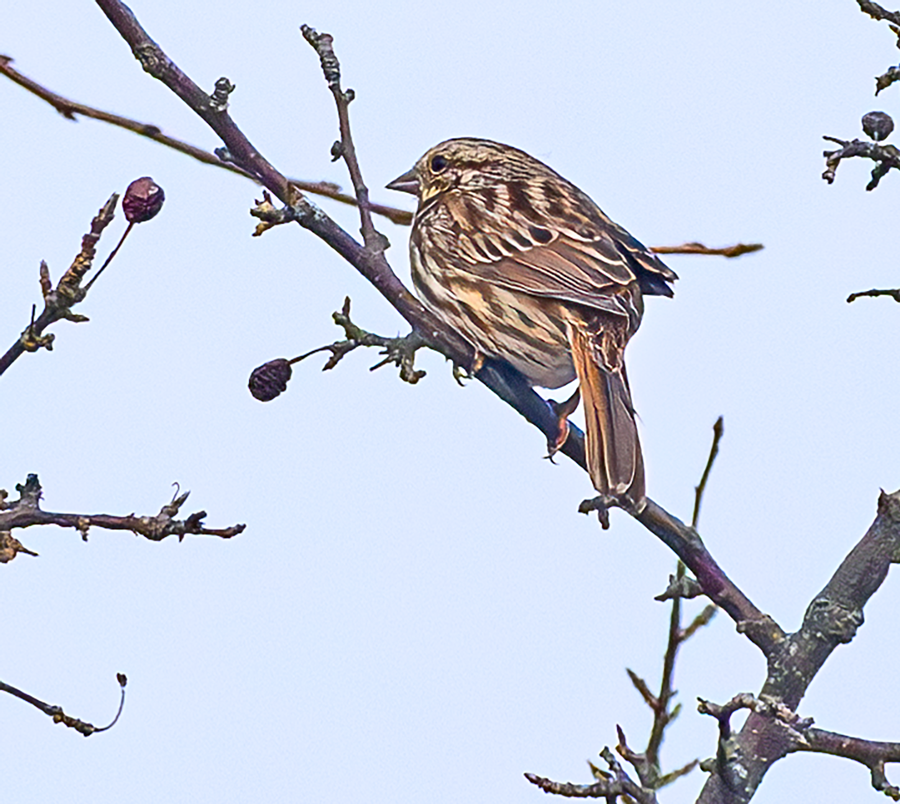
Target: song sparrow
530, 270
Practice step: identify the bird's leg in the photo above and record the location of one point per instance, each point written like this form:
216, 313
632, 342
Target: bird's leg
562, 411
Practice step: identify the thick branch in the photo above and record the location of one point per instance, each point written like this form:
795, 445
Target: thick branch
760, 628
874, 755
831, 619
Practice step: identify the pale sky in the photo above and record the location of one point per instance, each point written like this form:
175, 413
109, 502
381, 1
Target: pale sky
416, 612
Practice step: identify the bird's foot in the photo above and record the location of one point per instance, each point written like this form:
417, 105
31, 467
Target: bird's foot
562, 411
603, 502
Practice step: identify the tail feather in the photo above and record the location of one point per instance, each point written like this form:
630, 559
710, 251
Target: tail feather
613, 449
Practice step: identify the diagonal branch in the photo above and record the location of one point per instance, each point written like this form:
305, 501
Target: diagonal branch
877, 12
72, 109
143, 200
58, 301
832, 618
502, 379
793, 660
372, 266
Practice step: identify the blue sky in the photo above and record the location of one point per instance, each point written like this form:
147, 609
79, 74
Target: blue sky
416, 611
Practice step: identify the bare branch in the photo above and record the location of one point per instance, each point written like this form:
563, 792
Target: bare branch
59, 716
143, 200
831, 619
718, 432
71, 109
885, 157
663, 715
344, 148
26, 511
270, 379
874, 755
737, 250
501, 378
760, 628
58, 302
876, 12
617, 783
370, 263
894, 294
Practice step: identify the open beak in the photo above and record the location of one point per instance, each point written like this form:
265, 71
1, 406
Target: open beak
407, 183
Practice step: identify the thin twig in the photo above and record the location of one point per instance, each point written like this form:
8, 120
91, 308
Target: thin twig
662, 715
71, 110
698, 248
58, 302
609, 786
323, 44
59, 716
718, 432
893, 293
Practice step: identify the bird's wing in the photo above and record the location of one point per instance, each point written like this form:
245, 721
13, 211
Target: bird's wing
592, 266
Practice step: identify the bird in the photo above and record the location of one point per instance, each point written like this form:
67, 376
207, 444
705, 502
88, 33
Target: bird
532, 272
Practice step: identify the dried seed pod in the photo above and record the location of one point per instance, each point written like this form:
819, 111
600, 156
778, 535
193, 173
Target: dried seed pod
270, 379
877, 125
143, 200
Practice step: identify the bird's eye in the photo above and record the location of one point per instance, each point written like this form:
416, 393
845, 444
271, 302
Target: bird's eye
438, 163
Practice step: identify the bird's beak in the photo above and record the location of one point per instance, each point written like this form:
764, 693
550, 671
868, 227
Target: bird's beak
407, 183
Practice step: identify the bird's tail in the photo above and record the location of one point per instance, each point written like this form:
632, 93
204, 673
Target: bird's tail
612, 449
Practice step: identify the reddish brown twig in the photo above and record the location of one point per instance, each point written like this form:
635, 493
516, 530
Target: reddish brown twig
736, 250
71, 110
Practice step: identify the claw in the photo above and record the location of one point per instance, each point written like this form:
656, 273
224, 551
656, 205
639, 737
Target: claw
562, 411
461, 373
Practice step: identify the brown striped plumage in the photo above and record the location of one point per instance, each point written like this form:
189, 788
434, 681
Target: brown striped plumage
531, 271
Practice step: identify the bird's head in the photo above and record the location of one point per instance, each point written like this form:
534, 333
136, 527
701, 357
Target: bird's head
465, 163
